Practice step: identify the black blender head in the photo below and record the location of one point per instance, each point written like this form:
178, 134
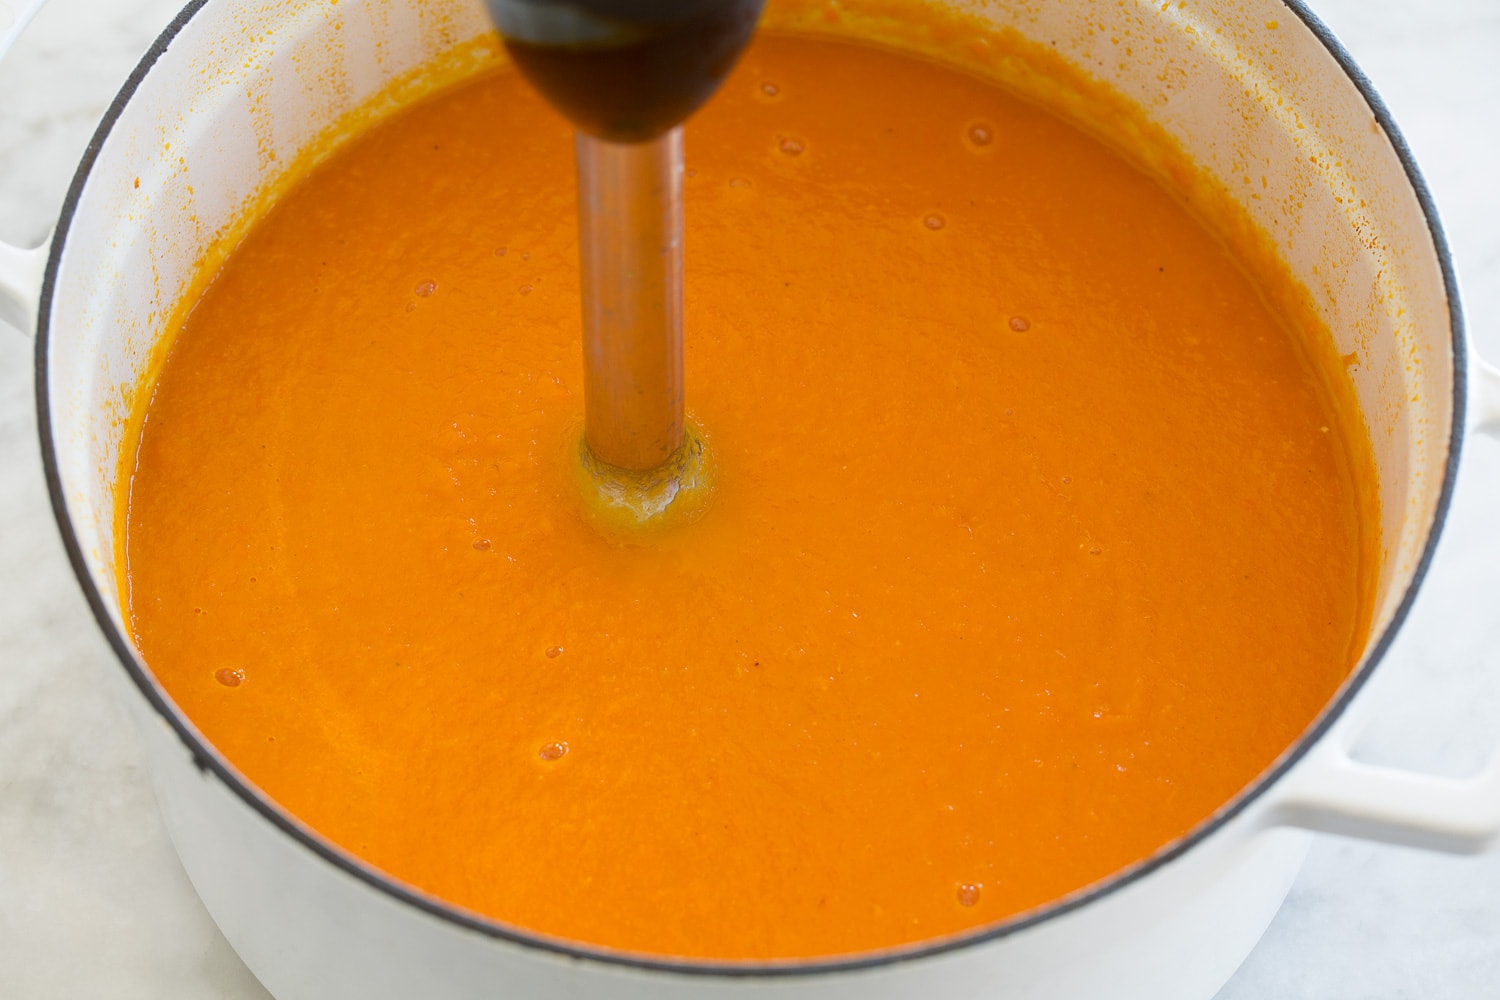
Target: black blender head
626, 70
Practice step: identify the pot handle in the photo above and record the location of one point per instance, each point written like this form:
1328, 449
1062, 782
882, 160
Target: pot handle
1332, 793
21, 270
21, 274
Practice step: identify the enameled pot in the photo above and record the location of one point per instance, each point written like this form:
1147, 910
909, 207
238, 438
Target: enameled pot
1257, 92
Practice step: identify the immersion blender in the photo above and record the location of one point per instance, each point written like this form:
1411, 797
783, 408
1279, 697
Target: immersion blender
627, 73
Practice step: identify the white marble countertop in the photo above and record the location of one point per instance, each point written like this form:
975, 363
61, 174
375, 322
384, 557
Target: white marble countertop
93, 903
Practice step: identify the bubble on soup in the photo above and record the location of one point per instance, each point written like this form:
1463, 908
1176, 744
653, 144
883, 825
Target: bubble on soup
968, 893
231, 677
426, 288
553, 751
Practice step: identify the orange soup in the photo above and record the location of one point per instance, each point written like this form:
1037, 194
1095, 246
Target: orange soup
1038, 534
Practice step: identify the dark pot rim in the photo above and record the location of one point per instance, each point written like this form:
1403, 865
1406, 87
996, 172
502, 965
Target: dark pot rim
210, 762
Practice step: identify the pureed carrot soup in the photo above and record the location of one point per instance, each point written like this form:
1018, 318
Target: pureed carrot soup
1038, 533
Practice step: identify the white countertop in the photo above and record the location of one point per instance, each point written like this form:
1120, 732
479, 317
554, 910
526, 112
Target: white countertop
93, 903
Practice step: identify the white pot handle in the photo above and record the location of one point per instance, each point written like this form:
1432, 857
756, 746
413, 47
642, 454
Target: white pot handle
21, 283
1487, 397
20, 270
1332, 793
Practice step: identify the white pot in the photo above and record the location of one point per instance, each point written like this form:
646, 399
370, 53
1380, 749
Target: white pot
232, 90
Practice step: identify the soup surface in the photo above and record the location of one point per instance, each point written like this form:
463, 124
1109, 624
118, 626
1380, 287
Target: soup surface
1036, 536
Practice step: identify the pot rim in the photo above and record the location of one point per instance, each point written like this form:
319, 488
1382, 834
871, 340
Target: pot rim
210, 761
